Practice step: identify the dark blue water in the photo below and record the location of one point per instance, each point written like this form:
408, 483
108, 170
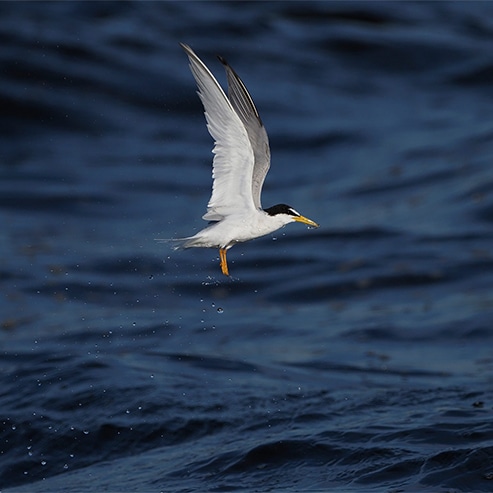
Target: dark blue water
357, 357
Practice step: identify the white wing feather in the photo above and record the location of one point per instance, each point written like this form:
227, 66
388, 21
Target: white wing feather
233, 162
244, 106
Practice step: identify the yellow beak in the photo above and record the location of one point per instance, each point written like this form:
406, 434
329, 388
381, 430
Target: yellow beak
305, 220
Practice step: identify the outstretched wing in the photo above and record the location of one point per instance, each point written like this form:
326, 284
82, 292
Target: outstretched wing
246, 110
232, 167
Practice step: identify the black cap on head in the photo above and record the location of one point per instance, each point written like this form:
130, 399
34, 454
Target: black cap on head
281, 209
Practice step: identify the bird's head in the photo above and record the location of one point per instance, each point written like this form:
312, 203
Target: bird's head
287, 214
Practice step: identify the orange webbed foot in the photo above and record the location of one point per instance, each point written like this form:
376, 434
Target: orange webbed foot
224, 264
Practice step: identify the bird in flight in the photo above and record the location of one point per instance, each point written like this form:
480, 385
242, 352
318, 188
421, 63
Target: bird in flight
240, 164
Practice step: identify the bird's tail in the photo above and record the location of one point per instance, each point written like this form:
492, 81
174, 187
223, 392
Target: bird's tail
178, 243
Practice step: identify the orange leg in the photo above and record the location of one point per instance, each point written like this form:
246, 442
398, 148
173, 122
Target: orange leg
224, 264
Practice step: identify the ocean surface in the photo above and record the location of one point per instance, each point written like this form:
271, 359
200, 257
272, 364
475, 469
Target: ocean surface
353, 358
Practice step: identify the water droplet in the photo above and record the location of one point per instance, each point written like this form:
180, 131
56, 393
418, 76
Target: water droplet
220, 310
43, 463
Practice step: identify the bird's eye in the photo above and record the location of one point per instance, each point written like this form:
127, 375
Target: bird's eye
294, 212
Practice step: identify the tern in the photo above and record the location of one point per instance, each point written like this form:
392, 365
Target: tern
240, 164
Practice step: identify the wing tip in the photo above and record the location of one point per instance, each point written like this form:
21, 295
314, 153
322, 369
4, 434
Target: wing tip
223, 60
